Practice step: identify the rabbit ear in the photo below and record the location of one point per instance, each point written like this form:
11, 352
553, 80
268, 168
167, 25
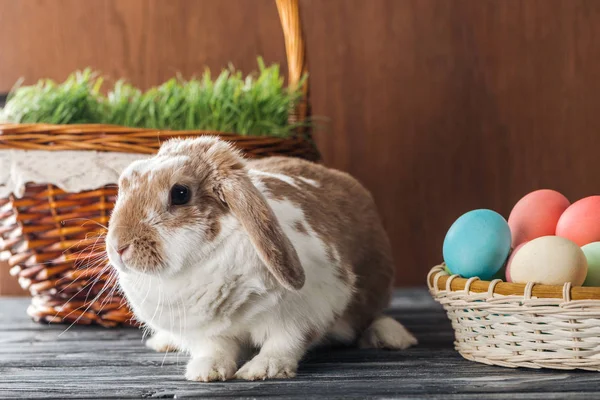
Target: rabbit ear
273, 246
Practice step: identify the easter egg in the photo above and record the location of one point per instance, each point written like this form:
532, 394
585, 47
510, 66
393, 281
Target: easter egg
580, 222
549, 260
477, 244
510, 258
536, 215
592, 255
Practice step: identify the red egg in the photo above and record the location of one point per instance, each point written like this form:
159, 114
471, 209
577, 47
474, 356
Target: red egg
512, 255
536, 215
580, 223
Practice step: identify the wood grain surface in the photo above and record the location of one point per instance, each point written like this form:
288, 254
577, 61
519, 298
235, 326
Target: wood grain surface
145, 41
438, 107
39, 362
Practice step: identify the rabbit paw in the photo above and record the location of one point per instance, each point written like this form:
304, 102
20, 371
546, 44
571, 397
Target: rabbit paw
387, 333
263, 367
210, 369
161, 343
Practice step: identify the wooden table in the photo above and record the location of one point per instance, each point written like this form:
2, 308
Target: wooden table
39, 362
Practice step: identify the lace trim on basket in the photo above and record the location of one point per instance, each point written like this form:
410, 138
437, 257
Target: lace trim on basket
72, 171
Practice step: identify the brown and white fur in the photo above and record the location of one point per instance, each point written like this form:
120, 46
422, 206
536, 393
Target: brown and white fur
277, 255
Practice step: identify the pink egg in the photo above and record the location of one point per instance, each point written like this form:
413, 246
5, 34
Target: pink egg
580, 223
536, 215
512, 255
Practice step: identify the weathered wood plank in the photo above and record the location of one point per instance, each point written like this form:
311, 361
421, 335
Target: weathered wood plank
323, 381
40, 361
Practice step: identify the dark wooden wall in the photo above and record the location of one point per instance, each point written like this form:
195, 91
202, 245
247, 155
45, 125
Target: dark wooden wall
438, 106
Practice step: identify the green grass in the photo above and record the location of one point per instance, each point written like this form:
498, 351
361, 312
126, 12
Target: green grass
257, 104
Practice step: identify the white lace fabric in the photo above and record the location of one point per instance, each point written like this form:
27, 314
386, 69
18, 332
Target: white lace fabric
72, 171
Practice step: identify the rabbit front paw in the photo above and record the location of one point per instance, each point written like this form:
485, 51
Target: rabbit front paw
210, 369
161, 342
265, 367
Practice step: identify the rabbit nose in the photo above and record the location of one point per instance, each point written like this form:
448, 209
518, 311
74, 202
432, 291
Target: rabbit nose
121, 250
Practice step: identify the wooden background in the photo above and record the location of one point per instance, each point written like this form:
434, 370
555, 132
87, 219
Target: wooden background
437, 106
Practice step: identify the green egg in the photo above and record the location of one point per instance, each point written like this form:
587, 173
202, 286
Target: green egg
592, 254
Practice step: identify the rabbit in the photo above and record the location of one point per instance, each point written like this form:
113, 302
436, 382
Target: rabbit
220, 256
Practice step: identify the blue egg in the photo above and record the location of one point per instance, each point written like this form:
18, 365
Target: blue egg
477, 244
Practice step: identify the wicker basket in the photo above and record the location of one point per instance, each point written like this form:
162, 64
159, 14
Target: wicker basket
58, 256
518, 325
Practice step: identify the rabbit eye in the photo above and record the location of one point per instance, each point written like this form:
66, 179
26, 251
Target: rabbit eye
180, 195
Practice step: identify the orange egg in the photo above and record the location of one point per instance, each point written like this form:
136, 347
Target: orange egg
580, 223
536, 215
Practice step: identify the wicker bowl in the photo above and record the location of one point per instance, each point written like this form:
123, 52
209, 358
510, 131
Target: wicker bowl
521, 325
55, 239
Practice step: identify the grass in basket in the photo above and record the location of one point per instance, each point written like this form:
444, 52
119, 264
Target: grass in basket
257, 104
74, 101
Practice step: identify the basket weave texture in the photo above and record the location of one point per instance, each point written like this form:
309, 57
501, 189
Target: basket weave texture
521, 325
55, 239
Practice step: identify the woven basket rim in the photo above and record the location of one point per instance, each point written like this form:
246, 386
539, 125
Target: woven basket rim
115, 138
500, 287
18, 128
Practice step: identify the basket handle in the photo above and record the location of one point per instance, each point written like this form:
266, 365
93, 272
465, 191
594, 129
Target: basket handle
289, 14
